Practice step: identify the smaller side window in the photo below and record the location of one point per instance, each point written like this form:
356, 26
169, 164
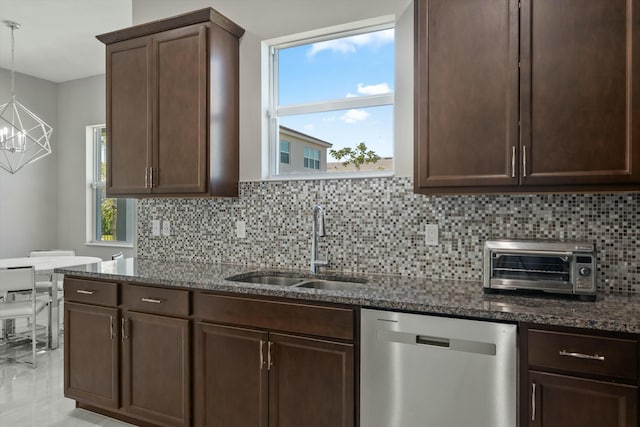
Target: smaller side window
284, 152
112, 218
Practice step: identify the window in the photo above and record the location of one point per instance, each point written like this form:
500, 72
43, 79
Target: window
284, 152
333, 91
311, 158
112, 219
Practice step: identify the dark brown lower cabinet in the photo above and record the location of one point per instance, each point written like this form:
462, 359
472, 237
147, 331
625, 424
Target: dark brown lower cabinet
129, 359
231, 377
311, 382
247, 377
156, 368
564, 401
573, 377
91, 347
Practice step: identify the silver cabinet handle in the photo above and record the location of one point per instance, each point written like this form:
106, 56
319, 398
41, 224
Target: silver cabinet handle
524, 161
261, 354
513, 161
151, 300
533, 402
83, 292
581, 355
123, 321
146, 177
111, 328
269, 358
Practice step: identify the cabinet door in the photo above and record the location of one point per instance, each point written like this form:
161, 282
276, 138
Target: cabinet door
311, 383
91, 362
466, 94
230, 377
180, 91
561, 401
580, 92
156, 364
129, 117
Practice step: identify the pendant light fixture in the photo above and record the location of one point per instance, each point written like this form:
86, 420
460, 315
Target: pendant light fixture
24, 137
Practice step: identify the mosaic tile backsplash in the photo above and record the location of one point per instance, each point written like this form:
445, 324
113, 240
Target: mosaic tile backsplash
377, 225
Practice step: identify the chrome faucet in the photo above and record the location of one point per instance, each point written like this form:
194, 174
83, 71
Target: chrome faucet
317, 230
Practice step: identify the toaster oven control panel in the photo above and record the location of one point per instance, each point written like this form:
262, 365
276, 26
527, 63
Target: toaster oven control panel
584, 280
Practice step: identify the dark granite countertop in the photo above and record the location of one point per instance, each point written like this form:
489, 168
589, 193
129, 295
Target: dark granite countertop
447, 297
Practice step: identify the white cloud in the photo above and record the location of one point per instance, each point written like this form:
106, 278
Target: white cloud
309, 128
353, 116
378, 89
351, 44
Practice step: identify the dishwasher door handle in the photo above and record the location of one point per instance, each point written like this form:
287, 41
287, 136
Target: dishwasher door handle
434, 341
452, 344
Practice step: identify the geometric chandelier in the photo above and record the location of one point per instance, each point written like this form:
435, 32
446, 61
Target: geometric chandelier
24, 137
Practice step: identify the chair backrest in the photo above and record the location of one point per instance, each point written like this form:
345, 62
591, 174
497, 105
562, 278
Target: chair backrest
16, 279
119, 255
53, 252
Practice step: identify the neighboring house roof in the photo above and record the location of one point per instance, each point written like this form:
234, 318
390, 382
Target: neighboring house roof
303, 136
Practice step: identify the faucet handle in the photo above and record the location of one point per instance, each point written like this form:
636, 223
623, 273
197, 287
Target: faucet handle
326, 258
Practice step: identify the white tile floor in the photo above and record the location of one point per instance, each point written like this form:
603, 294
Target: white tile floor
34, 397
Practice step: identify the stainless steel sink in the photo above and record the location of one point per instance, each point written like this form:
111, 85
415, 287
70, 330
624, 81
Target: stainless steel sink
329, 285
270, 280
334, 283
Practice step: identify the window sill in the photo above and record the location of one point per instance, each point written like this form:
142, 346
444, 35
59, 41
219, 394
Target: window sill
111, 245
327, 176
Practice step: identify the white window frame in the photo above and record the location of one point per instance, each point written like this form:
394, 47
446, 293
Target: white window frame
270, 58
92, 186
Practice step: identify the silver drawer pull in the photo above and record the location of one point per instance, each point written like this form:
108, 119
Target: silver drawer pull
83, 292
581, 355
153, 300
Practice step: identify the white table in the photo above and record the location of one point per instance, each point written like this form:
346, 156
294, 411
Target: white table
45, 265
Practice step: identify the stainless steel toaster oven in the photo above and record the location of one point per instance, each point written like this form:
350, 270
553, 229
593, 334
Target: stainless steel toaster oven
550, 266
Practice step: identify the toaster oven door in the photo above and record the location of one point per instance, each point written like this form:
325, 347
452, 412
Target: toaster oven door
546, 271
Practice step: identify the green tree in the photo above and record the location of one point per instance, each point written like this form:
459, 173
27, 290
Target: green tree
358, 156
109, 216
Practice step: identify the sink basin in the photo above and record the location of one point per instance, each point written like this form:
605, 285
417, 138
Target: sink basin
273, 280
269, 280
329, 285
334, 283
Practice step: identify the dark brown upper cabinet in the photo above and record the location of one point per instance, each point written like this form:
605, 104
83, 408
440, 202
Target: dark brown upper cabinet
530, 96
172, 107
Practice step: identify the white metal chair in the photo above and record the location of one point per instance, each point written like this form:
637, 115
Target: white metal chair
116, 256
43, 282
21, 279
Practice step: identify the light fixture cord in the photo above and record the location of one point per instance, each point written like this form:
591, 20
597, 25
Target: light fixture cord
13, 71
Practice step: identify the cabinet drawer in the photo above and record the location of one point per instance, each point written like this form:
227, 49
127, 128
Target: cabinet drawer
333, 322
90, 291
586, 354
172, 302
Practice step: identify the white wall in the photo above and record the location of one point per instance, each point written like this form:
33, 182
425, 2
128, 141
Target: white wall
28, 199
263, 20
81, 103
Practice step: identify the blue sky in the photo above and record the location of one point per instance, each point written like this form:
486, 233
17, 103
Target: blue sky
335, 69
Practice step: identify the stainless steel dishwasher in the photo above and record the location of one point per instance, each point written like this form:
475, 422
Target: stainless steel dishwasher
427, 371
